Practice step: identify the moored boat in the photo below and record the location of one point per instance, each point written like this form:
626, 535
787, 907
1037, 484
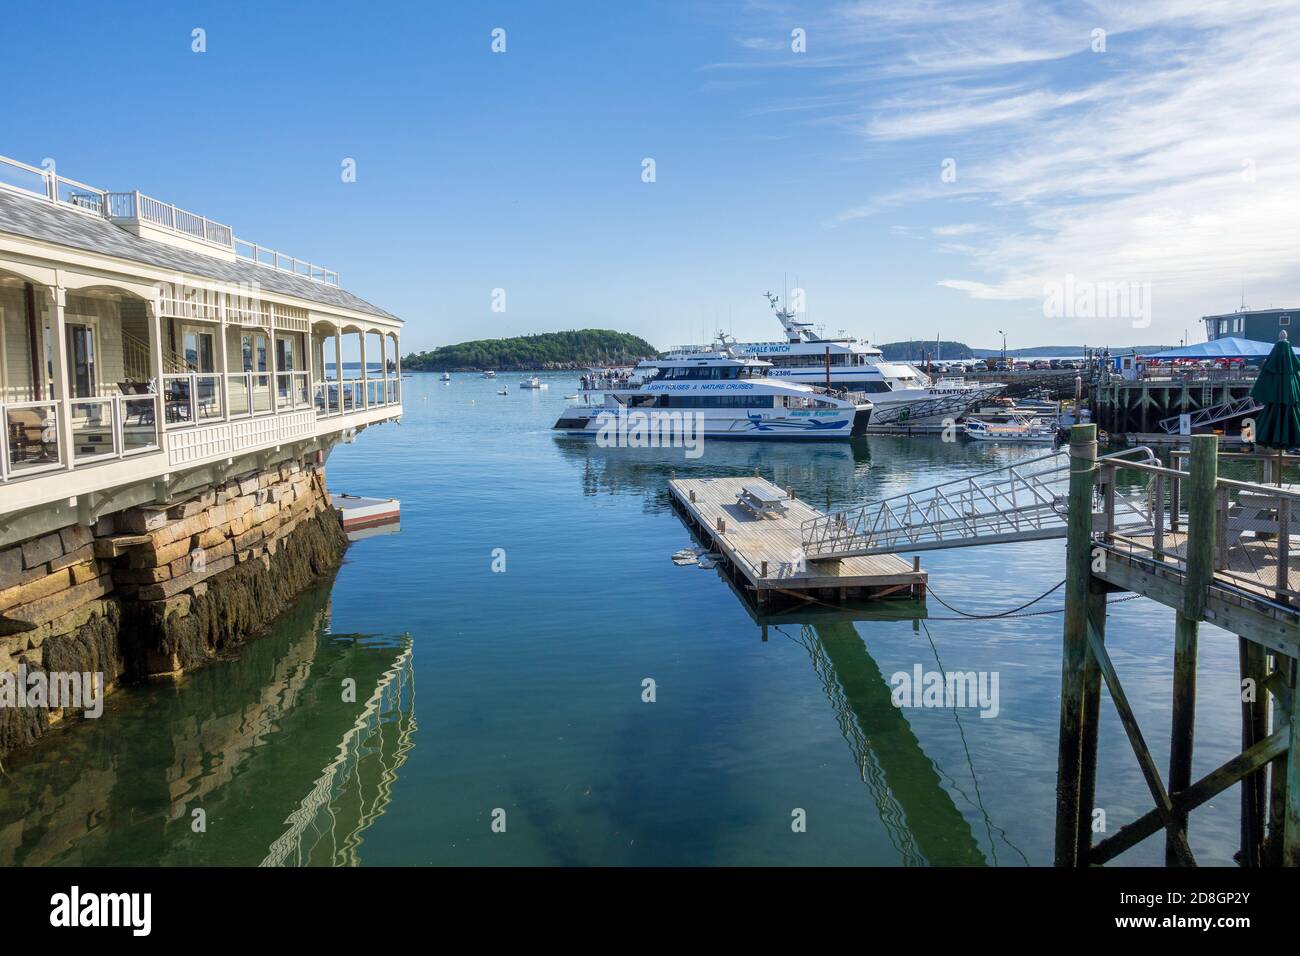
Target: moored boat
713, 395
357, 512
899, 390
1017, 430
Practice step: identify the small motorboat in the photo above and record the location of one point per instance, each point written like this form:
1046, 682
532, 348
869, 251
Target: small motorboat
503, 391
446, 376
533, 382
1017, 430
488, 373
359, 514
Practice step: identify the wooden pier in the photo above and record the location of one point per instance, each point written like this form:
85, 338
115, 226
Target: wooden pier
764, 554
1216, 550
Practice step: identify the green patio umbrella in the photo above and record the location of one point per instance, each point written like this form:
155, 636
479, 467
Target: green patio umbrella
1278, 389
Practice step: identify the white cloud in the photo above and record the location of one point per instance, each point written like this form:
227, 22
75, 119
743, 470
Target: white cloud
1171, 158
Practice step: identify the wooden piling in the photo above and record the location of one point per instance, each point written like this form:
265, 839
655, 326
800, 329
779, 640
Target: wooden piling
1201, 539
1291, 797
1254, 728
1078, 557
1091, 719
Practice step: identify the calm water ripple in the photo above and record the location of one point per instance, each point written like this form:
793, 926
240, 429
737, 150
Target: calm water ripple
522, 691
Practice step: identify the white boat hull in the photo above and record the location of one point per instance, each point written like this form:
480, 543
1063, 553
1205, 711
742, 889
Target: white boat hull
776, 425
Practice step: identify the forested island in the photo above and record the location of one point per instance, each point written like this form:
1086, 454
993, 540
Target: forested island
581, 348
914, 350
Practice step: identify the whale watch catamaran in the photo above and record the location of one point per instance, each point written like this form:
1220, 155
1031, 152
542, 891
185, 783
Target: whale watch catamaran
901, 393
733, 395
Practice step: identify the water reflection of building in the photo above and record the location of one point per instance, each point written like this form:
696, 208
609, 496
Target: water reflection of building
266, 744
360, 778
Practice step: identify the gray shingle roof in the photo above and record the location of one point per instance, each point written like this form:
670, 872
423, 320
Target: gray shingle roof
48, 222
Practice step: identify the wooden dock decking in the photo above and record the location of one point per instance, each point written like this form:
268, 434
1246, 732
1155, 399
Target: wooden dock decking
766, 551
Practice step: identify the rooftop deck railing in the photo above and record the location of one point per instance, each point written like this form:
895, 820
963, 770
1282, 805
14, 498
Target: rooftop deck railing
137, 207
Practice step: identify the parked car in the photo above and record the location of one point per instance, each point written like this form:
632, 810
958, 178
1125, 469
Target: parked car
1042, 365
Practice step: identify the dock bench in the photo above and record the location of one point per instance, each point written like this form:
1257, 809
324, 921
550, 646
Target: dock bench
761, 500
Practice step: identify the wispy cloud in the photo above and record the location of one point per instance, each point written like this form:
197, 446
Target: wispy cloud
1169, 158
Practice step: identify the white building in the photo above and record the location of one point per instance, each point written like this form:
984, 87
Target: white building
146, 349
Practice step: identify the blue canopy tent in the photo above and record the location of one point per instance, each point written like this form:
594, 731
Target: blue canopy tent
1225, 348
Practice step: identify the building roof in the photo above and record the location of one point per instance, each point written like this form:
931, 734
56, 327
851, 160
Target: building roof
50, 222
1244, 312
1227, 347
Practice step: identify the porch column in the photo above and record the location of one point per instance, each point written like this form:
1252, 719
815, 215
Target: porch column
309, 362
338, 364
274, 372
383, 362
153, 318
223, 359
397, 359
365, 384
59, 360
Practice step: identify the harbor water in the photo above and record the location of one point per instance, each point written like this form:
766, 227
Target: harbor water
500, 646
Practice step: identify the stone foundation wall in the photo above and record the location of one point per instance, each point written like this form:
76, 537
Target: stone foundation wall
160, 589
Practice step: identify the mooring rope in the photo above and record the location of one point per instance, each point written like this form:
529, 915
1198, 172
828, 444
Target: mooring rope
1054, 587
966, 615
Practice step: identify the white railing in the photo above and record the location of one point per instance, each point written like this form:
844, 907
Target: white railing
102, 429
137, 207
30, 439
113, 427
335, 397
196, 398
274, 259
192, 398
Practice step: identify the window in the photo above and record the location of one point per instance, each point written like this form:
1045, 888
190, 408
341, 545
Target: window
199, 350
284, 354
1284, 320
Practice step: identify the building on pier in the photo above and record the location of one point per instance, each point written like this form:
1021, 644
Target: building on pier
169, 394
140, 340
1262, 325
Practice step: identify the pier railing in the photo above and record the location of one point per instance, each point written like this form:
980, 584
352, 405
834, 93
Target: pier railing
1253, 523
1021, 502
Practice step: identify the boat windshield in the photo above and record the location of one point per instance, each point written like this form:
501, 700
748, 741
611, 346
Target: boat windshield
710, 372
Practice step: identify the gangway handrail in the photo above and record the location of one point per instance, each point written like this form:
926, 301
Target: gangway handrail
1020, 501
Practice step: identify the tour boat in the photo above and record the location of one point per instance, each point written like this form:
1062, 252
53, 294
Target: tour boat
847, 364
732, 395
1019, 429
533, 382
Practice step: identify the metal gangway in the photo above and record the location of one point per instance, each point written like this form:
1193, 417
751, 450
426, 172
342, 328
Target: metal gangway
1026, 501
1214, 413
953, 405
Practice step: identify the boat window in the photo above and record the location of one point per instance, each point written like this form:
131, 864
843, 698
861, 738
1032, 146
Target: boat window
715, 401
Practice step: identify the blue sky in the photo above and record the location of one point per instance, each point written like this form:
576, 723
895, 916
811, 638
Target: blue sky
1162, 166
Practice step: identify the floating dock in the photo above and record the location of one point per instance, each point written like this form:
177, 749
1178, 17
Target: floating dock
763, 554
